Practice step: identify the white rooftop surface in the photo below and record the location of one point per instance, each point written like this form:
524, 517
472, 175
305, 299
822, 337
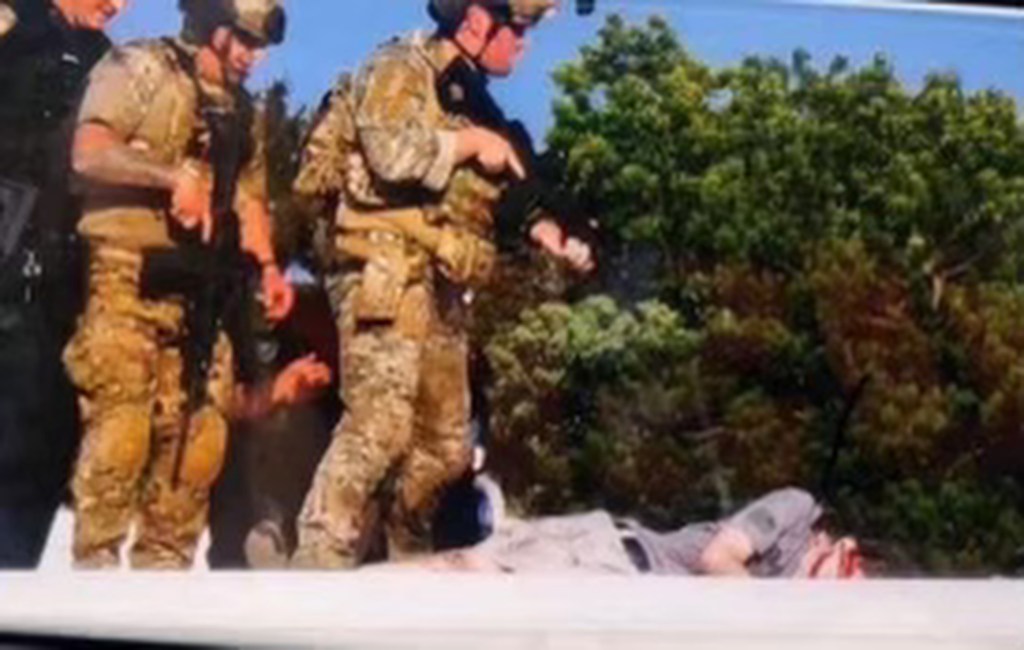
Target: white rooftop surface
455, 611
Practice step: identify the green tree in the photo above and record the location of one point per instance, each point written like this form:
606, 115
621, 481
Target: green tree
818, 242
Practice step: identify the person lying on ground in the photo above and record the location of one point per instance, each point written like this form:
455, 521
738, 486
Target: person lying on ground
778, 535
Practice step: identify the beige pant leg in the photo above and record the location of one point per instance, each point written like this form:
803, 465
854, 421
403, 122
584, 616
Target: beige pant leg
380, 367
111, 360
171, 519
440, 451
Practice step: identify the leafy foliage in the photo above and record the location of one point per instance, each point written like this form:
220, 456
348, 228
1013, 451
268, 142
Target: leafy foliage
815, 256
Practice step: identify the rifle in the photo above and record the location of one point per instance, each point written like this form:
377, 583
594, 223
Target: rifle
218, 280
462, 90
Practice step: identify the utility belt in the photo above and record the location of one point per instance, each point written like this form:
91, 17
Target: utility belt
398, 247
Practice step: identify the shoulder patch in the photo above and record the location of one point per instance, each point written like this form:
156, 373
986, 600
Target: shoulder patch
124, 84
405, 52
146, 59
393, 73
402, 53
148, 64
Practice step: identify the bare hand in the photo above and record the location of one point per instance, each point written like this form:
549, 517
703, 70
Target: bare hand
552, 240
277, 295
579, 255
494, 152
191, 202
301, 381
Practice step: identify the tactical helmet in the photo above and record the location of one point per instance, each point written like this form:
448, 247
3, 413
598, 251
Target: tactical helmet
525, 13
261, 20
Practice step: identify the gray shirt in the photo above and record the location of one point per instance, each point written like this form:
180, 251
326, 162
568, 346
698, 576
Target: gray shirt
779, 526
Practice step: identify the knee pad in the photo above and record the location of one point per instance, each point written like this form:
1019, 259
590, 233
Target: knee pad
117, 438
207, 444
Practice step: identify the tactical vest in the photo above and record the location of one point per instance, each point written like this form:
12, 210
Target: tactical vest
170, 132
455, 226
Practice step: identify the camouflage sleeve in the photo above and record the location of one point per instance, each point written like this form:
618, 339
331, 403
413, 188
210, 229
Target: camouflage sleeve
328, 144
400, 145
122, 87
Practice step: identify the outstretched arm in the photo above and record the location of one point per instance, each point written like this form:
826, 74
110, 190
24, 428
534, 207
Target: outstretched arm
728, 553
301, 381
402, 146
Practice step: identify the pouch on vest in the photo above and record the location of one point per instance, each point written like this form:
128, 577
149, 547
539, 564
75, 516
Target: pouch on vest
466, 258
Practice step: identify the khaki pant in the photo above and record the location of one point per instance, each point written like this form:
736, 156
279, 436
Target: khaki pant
126, 362
406, 394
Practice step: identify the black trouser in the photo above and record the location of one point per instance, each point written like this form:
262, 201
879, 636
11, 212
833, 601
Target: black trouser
24, 530
38, 431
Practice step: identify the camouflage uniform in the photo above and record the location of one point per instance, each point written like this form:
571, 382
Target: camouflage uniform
384, 148
125, 356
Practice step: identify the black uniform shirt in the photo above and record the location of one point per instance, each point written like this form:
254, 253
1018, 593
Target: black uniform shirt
44, 65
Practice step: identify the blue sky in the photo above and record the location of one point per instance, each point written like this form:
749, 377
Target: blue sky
326, 36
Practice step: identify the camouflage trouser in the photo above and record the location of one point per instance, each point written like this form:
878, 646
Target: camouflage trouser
406, 393
126, 363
